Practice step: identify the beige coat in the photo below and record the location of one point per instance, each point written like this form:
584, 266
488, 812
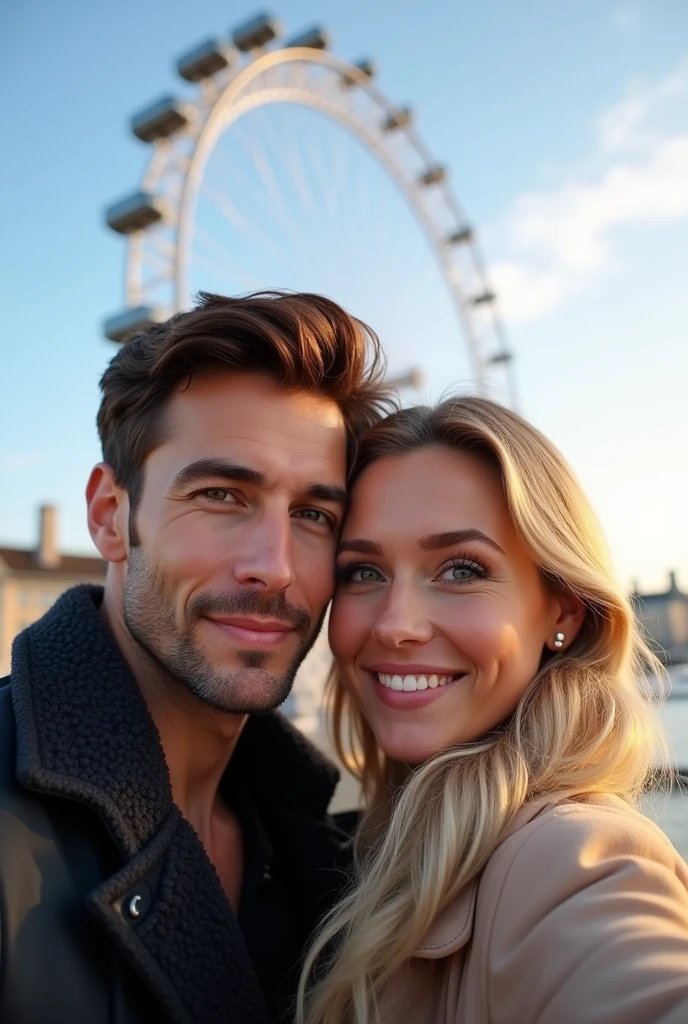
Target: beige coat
580, 917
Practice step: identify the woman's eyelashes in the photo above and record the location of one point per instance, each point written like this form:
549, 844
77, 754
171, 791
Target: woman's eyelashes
456, 571
358, 572
462, 570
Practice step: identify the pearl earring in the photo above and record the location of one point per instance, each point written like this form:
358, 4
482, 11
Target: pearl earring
559, 639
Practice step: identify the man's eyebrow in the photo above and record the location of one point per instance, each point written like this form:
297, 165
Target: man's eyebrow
434, 541
233, 471
363, 547
203, 468
327, 492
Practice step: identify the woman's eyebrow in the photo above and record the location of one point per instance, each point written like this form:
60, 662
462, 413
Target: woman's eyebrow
444, 540
365, 547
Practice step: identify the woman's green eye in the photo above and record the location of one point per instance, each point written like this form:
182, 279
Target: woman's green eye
462, 572
358, 574
216, 493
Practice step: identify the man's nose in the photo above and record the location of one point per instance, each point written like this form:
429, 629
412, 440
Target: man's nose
403, 620
265, 559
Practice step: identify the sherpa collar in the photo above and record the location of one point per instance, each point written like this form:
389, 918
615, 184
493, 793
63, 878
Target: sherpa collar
84, 732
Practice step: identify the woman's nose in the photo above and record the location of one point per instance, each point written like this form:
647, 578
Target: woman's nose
402, 621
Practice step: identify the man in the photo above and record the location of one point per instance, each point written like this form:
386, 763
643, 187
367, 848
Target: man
165, 848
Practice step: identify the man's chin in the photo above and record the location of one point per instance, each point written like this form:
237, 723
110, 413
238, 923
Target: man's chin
242, 691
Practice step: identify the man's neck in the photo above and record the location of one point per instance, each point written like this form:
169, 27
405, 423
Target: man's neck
197, 741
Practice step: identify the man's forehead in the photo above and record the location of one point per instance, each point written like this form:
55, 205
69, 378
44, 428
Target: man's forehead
251, 417
248, 397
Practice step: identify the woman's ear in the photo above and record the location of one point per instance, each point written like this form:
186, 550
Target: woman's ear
108, 513
568, 615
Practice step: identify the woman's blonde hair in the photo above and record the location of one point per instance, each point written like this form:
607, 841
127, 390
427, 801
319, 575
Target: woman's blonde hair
584, 725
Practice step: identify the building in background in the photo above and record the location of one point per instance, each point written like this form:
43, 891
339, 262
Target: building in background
31, 581
665, 617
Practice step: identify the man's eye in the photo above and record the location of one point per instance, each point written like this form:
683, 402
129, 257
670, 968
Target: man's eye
220, 494
314, 515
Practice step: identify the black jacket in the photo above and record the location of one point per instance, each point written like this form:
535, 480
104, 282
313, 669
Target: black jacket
87, 822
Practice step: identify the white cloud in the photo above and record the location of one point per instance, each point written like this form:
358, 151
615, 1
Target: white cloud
624, 126
554, 241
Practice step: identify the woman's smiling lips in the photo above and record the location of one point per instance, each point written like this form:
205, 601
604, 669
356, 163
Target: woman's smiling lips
249, 631
410, 686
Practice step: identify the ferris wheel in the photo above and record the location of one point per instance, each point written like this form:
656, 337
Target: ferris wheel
163, 219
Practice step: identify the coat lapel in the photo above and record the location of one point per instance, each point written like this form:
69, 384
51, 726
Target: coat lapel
84, 733
452, 929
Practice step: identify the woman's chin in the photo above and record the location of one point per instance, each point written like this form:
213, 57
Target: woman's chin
409, 749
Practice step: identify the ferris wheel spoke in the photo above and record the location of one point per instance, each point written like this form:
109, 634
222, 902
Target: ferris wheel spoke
252, 182
255, 146
210, 254
317, 161
230, 174
294, 163
247, 228
153, 261
159, 245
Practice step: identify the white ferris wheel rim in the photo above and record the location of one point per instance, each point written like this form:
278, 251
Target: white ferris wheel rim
226, 99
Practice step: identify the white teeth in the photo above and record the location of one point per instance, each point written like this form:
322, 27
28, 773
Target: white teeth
410, 683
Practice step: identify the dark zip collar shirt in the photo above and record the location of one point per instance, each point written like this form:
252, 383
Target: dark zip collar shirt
268, 915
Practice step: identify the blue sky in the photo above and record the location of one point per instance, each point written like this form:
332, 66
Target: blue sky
565, 129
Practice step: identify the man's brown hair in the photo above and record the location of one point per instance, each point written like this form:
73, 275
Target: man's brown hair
304, 342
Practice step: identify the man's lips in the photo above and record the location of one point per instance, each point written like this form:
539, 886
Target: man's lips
250, 631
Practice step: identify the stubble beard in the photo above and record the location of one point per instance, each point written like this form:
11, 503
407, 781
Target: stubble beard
149, 615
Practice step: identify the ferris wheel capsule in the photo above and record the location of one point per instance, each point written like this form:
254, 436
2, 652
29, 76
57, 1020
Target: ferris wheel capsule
256, 32
315, 38
129, 322
135, 213
161, 119
206, 60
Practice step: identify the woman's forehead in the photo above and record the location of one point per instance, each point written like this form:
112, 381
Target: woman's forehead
428, 491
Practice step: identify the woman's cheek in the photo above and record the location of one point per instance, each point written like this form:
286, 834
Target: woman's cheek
343, 630
473, 628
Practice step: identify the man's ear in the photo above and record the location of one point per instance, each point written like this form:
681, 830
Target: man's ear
108, 514
567, 619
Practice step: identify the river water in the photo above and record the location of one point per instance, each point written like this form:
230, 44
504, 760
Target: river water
669, 808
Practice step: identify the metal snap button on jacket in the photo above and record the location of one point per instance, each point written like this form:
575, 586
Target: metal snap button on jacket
137, 903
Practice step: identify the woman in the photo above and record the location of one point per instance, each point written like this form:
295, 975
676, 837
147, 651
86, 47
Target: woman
490, 670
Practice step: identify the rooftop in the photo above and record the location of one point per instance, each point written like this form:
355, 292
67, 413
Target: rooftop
20, 560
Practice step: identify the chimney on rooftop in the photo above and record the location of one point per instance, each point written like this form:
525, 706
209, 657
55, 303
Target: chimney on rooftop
48, 553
